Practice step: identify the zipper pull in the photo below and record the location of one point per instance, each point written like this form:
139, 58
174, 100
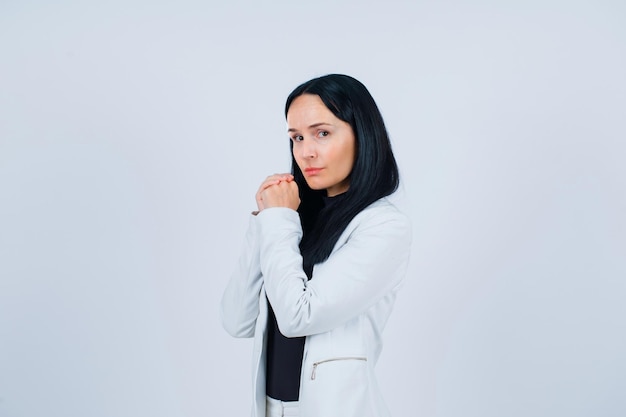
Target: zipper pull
313, 373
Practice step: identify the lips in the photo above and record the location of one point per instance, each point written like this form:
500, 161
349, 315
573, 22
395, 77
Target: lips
312, 171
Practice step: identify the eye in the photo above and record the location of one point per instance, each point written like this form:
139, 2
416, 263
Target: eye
322, 134
297, 138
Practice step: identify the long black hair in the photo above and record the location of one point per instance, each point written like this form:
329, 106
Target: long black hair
374, 174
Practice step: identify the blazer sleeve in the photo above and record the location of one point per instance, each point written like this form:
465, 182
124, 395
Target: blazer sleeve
367, 267
239, 306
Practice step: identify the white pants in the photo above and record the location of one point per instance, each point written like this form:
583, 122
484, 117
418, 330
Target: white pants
277, 408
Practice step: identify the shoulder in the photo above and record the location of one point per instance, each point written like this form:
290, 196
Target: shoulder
382, 210
382, 216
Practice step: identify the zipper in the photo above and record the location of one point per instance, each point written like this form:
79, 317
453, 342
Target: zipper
345, 358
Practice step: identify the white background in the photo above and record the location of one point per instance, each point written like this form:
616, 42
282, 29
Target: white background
133, 135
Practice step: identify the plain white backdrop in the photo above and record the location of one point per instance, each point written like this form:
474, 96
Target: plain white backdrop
133, 135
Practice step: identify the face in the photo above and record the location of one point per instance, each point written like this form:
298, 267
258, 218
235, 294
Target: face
323, 145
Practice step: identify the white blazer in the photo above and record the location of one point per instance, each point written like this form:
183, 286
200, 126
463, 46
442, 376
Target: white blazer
342, 310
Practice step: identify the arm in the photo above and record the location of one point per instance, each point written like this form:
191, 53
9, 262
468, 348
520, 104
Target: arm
240, 302
367, 267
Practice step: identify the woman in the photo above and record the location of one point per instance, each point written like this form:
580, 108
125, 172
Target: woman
323, 259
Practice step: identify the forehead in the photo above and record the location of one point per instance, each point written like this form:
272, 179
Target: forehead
308, 109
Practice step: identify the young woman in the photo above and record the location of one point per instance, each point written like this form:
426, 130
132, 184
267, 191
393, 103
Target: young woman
323, 259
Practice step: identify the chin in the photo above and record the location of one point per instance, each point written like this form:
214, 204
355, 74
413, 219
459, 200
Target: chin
315, 186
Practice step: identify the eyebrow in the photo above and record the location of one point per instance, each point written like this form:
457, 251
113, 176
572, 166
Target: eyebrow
312, 126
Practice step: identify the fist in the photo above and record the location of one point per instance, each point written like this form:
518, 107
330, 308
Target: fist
283, 194
271, 181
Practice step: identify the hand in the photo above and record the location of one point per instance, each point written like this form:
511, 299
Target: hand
270, 181
283, 194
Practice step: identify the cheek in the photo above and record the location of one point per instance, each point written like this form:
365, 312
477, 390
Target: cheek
348, 155
297, 159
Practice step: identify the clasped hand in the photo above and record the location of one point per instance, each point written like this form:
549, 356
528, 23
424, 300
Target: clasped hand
278, 190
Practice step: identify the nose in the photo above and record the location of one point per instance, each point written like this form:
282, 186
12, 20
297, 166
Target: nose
308, 149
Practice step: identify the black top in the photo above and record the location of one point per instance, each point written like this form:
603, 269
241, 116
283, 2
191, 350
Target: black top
284, 354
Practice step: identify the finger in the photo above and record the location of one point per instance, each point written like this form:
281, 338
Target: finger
272, 179
282, 177
267, 183
275, 179
270, 182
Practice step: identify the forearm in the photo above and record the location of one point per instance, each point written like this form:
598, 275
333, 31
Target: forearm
369, 265
240, 302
